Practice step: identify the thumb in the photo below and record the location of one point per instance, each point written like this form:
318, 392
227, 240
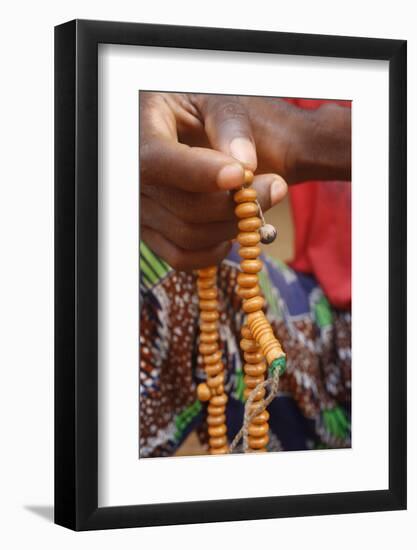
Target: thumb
271, 189
228, 127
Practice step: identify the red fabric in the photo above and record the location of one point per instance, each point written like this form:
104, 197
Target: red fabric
322, 219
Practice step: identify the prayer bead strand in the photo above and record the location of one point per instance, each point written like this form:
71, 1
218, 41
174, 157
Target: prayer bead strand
261, 350
213, 389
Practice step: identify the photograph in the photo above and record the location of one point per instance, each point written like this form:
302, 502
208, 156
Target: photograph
245, 274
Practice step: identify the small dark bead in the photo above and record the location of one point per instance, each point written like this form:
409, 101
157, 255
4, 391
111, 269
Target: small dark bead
268, 233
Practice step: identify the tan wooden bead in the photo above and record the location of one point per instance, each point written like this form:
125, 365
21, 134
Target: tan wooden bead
209, 337
245, 332
258, 442
216, 442
258, 430
203, 392
207, 272
208, 327
216, 431
247, 194
247, 280
249, 224
209, 316
253, 304
251, 266
261, 418
250, 238
247, 293
249, 252
252, 381
246, 210
216, 420
253, 356
214, 381
260, 394
219, 450
257, 369
209, 305
254, 317
220, 389
219, 400
213, 370
249, 345
208, 349
207, 293
206, 283
248, 177
212, 359
215, 411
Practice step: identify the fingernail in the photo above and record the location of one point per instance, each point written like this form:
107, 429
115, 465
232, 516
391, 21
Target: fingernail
277, 191
243, 150
230, 176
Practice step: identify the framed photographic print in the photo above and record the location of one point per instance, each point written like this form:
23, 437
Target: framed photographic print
230, 247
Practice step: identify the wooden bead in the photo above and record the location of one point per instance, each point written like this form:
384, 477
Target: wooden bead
209, 316
203, 392
247, 280
246, 333
213, 370
257, 369
251, 266
253, 356
208, 349
206, 283
249, 224
208, 327
258, 442
245, 195
219, 400
212, 359
207, 293
246, 209
254, 317
258, 430
253, 304
220, 389
252, 381
260, 394
214, 381
247, 293
209, 337
215, 411
207, 272
219, 451
216, 431
216, 420
261, 418
249, 252
248, 177
250, 238
216, 442
249, 345
209, 305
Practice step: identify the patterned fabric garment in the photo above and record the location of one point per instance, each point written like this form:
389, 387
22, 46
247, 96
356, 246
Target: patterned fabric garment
312, 409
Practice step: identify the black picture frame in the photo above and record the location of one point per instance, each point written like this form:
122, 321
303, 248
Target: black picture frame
76, 272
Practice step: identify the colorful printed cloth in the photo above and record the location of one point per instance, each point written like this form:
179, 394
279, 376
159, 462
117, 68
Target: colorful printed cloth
312, 409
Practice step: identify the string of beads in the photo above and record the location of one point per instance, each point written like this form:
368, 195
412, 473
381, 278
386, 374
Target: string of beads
260, 347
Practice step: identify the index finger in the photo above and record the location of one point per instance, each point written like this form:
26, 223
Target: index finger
164, 161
